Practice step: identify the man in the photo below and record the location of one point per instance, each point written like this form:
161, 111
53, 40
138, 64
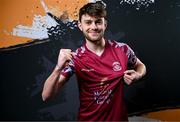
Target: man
101, 67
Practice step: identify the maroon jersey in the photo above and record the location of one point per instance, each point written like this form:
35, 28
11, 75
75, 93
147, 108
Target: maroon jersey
100, 80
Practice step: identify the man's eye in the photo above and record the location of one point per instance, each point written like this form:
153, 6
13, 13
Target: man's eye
88, 23
99, 22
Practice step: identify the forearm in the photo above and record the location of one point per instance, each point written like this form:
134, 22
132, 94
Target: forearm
140, 68
52, 84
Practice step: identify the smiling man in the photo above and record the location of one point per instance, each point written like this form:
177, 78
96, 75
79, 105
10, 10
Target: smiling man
101, 67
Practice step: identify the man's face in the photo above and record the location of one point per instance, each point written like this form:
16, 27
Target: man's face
92, 27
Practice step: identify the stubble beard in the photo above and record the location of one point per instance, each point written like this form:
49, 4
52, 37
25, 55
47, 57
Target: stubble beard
101, 33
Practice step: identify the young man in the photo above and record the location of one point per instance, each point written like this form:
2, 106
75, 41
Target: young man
101, 67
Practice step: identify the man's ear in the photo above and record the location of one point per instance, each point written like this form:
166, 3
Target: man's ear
79, 25
106, 23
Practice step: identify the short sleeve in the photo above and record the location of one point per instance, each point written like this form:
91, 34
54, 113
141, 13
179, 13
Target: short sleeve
68, 70
128, 52
131, 57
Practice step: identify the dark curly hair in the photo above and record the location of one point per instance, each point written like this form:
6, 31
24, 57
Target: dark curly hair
96, 9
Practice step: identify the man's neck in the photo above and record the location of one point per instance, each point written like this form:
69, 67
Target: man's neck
96, 47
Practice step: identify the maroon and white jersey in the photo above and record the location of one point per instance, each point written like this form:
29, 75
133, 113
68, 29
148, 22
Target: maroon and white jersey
100, 81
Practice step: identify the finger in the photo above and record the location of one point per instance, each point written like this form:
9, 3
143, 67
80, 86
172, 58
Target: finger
69, 56
129, 71
128, 77
127, 81
66, 64
65, 51
73, 53
68, 50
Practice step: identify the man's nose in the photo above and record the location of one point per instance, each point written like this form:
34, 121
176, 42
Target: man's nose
93, 25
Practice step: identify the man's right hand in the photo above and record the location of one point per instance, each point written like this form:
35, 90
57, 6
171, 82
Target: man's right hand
65, 55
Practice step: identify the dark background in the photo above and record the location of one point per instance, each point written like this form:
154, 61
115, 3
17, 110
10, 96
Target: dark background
152, 31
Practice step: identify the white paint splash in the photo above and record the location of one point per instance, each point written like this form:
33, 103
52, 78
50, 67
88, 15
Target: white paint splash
92, 1
38, 30
138, 3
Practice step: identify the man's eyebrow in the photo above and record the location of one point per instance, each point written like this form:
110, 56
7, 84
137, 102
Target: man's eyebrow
92, 20
98, 20
88, 20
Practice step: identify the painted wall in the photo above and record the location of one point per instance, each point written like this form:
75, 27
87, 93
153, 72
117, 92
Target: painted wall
22, 21
33, 32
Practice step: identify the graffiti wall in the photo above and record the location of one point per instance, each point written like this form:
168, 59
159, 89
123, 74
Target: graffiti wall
24, 21
33, 31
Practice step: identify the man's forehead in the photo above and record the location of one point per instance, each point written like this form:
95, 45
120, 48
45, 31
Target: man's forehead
89, 17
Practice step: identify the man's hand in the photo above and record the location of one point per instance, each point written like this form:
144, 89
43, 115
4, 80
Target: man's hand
65, 55
130, 76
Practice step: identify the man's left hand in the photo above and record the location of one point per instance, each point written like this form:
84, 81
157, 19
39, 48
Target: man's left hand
130, 76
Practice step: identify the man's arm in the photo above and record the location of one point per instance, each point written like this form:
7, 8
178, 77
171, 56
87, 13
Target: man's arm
53, 84
55, 81
136, 73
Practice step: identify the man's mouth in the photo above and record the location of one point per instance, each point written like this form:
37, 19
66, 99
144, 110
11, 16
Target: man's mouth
94, 32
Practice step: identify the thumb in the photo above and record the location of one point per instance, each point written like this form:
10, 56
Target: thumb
128, 71
73, 53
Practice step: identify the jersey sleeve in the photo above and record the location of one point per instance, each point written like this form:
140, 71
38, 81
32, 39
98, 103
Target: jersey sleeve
131, 56
132, 59
68, 70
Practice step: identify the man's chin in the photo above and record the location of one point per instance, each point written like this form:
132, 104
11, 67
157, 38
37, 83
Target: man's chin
94, 39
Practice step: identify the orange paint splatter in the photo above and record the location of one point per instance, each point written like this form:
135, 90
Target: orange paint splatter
21, 12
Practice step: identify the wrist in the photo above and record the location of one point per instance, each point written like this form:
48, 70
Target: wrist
140, 76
